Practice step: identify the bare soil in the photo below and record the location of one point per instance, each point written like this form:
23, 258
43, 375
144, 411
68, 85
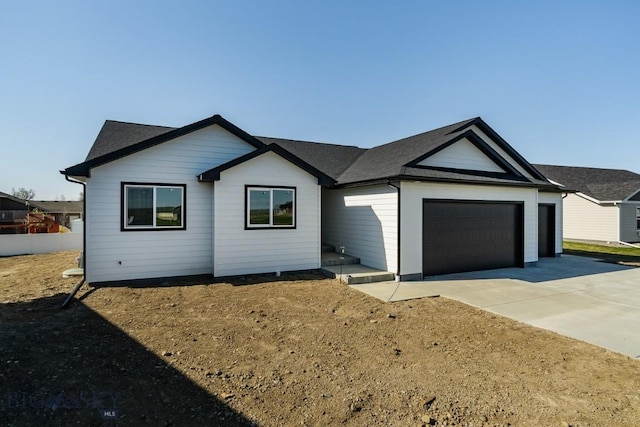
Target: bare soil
300, 350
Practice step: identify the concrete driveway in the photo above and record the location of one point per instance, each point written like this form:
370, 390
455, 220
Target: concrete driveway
578, 297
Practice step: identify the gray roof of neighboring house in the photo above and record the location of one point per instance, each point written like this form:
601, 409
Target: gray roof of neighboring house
344, 164
58, 206
13, 198
600, 184
49, 206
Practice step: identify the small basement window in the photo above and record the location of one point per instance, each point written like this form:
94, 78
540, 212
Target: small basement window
153, 206
270, 207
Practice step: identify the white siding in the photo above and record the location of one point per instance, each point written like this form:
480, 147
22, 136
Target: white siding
413, 193
462, 155
628, 222
500, 151
240, 251
365, 221
556, 199
116, 255
587, 220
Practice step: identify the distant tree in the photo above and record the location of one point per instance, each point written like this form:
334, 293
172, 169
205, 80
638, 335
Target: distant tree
60, 198
81, 197
23, 193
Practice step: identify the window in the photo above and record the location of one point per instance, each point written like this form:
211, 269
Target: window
270, 207
153, 206
638, 218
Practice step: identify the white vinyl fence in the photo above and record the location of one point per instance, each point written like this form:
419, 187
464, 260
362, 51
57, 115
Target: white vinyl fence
27, 244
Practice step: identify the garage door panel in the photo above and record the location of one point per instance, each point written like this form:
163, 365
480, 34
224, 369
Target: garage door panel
467, 236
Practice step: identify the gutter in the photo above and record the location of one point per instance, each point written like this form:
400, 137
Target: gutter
77, 287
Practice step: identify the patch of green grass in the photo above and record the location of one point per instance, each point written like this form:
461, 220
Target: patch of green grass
598, 250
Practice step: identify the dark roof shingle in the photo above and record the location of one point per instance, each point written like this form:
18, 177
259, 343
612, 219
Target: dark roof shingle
331, 159
116, 135
344, 164
388, 160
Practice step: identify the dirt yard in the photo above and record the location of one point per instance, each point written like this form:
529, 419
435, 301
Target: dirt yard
299, 351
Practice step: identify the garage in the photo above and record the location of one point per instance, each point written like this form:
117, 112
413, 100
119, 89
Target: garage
466, 235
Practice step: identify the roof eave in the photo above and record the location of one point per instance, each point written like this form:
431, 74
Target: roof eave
402, 177
84, 169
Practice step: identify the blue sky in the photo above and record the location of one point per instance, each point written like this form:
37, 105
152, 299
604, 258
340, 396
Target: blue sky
560, 81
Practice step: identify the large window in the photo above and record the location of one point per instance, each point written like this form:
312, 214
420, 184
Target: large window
153, 206
270, 207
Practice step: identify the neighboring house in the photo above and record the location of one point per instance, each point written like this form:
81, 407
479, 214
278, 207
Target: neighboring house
605, 205
64, 211
13, 212
457, 198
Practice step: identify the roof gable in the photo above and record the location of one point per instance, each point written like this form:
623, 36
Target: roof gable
214, 174
409, 158
118, 139
461, 155
468, 151
604, 185
469, 154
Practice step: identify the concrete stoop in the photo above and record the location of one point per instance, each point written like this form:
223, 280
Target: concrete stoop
330, 259
347, 268
354, 274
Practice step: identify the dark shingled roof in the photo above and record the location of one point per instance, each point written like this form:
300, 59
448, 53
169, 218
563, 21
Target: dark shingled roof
600, 184
389, 160
331, 159
214, 174
120, 139
115, 135
343, 164
12, 198
394, 159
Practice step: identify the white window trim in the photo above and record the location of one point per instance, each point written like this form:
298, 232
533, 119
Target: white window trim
249, 226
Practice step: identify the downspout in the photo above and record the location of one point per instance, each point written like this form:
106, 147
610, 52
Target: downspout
76, 288
399, 240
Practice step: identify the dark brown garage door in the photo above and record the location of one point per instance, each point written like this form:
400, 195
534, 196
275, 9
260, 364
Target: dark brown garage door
467, 236
546, 230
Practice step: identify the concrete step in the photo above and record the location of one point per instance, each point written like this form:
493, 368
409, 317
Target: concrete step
353, 274
327, 248
332, 259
